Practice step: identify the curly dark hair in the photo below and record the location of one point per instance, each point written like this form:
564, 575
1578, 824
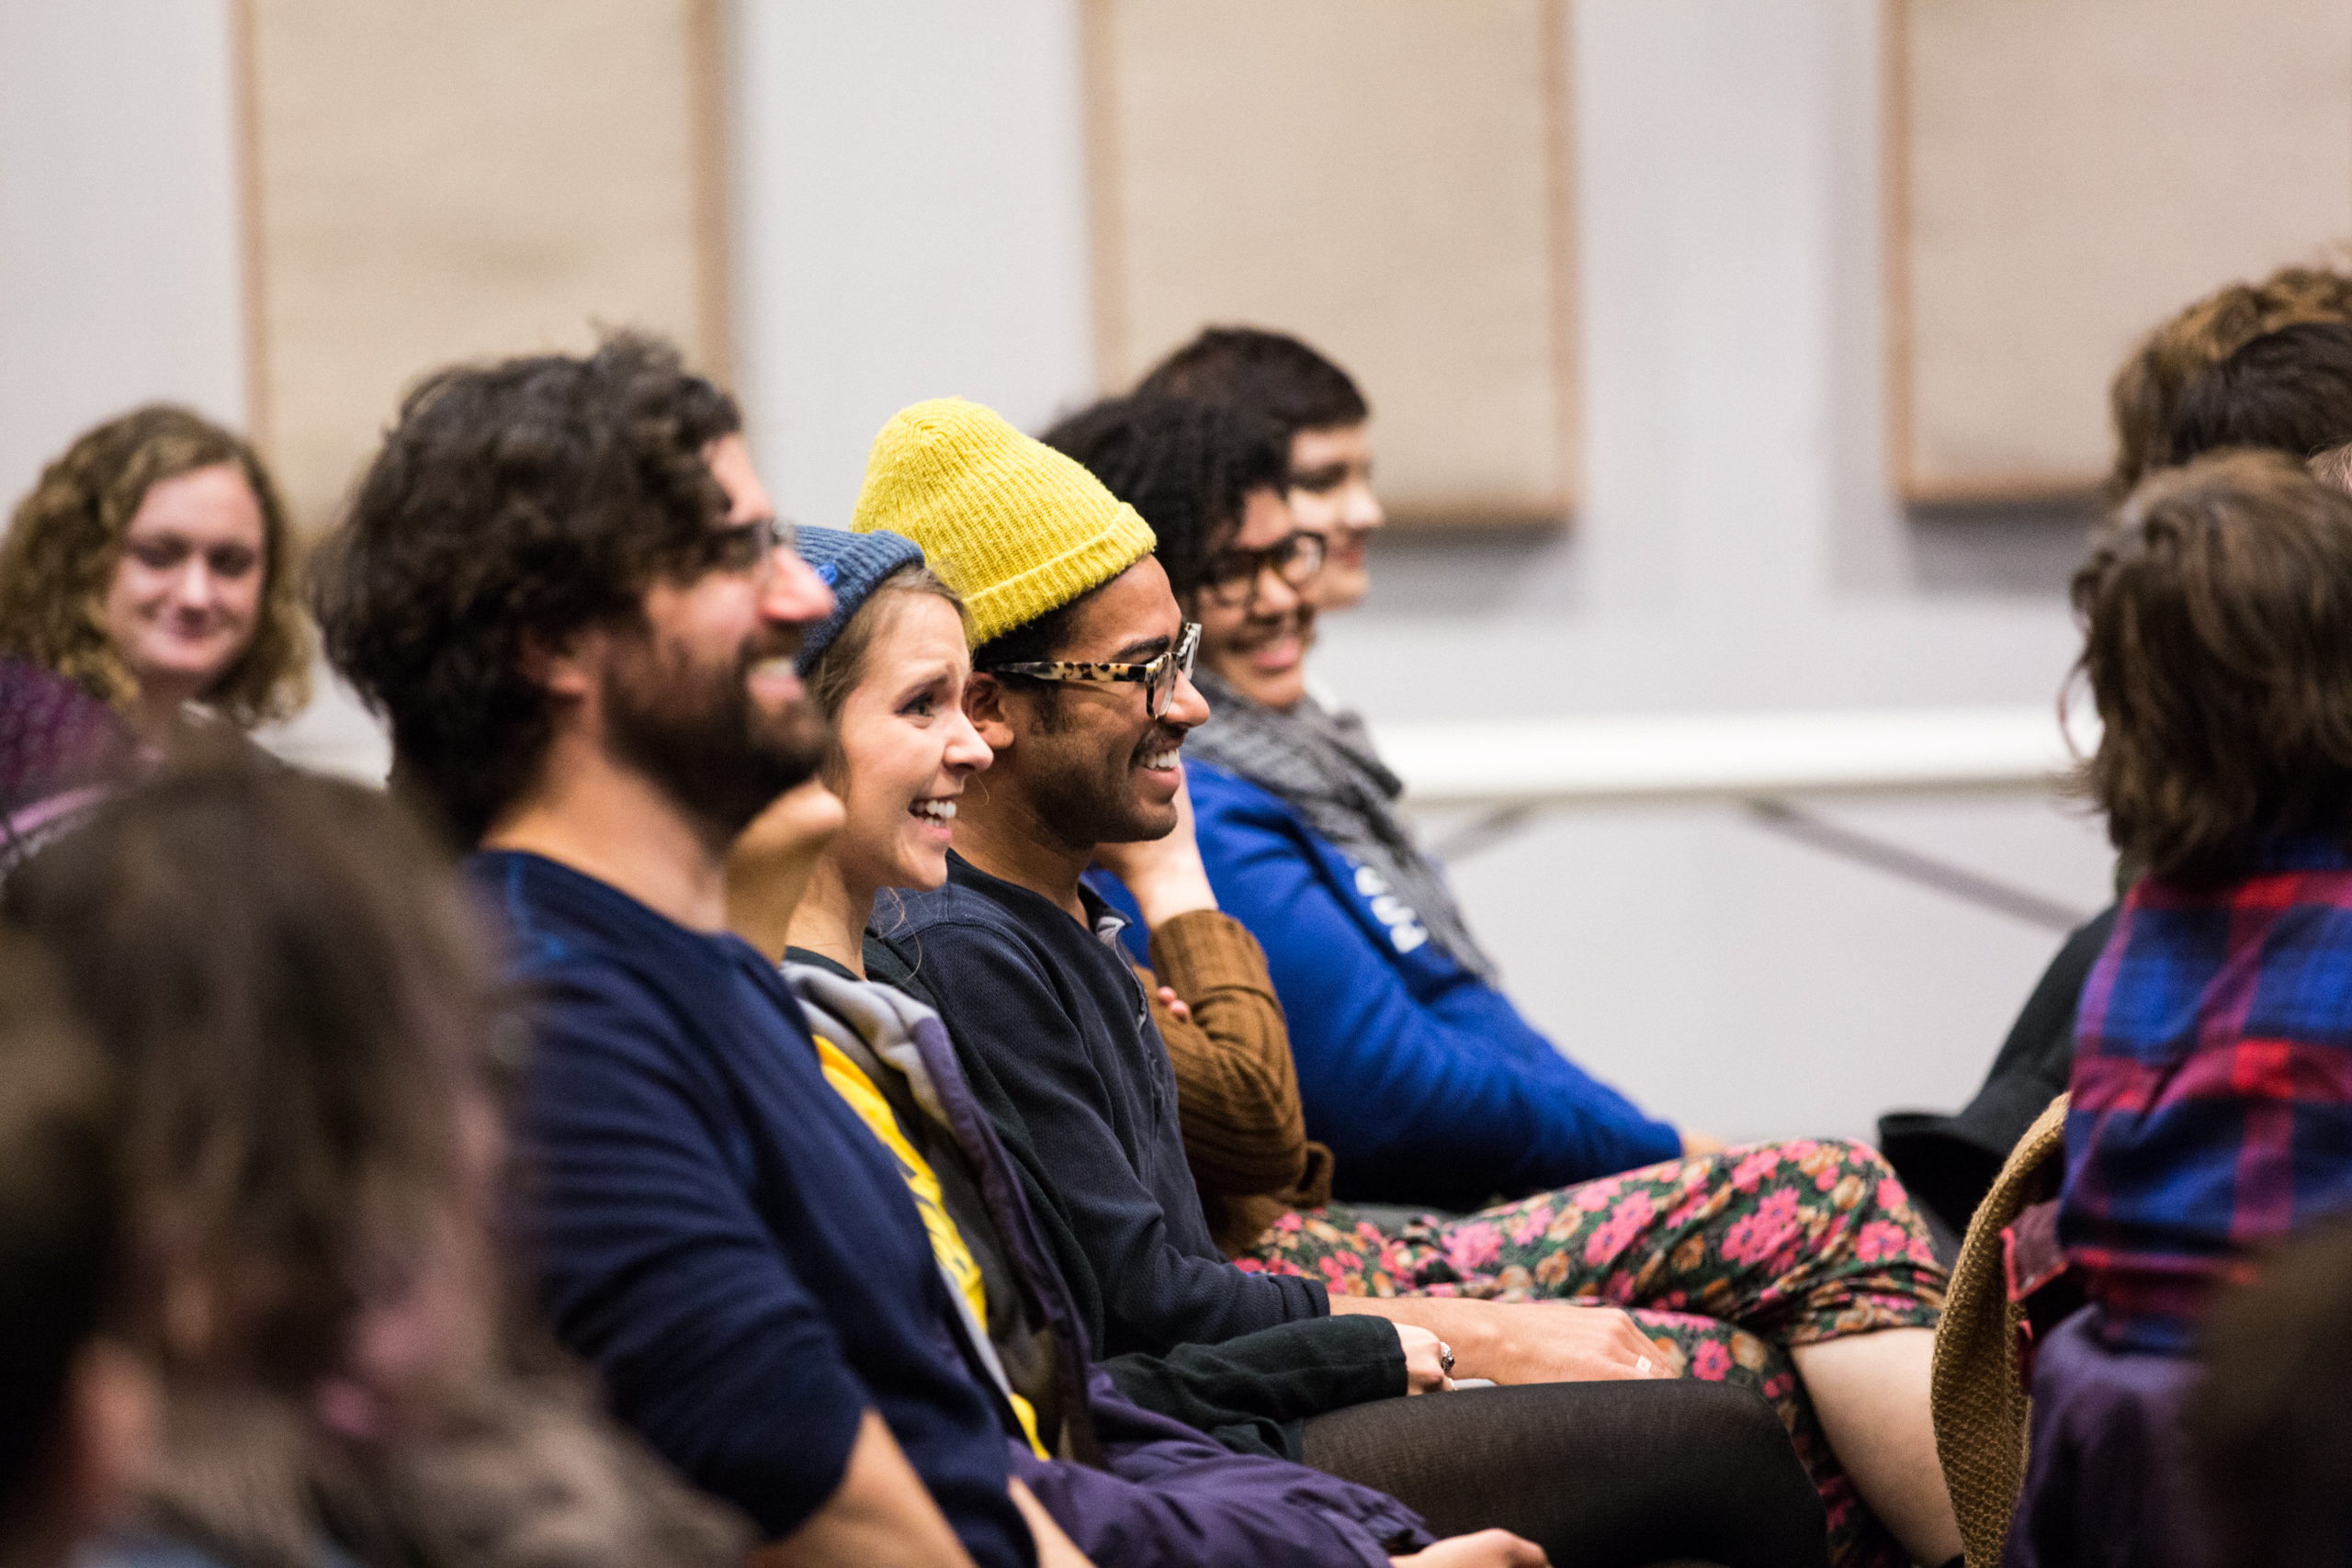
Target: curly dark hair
525, 500
2288, 391
2146, 392
1187, 466
62, 547
2217, 615
1286, 380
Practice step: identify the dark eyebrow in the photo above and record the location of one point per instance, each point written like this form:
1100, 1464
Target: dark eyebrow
1142, 651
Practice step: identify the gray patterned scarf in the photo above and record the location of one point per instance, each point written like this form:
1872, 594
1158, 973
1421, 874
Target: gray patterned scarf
1323, 767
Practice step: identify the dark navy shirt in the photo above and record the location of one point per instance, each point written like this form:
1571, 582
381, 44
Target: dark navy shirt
1060, 1020
716, 1231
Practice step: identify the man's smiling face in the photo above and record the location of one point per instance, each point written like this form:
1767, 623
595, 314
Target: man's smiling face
1098, 768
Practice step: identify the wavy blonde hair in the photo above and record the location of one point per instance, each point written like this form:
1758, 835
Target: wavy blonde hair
66, 537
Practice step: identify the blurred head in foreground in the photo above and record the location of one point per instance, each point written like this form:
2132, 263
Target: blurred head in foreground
74, 1406
2217, 614
1320, 415
287, 989
2270, 1428
153, 564
280, 971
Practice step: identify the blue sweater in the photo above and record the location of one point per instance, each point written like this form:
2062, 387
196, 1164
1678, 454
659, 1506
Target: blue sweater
716, 1231
1427, 1084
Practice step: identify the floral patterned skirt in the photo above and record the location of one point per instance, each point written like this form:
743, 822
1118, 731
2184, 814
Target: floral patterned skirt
1725, 1261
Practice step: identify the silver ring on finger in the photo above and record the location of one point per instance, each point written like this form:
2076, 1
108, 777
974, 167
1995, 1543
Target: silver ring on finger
1446, 1357
1642, 1365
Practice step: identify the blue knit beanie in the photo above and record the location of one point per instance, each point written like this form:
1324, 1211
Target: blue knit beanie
853, 566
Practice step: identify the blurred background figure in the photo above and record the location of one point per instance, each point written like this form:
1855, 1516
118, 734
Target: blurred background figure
279, 970
152, 565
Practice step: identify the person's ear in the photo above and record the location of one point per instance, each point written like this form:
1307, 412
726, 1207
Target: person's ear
988, 703
563, 666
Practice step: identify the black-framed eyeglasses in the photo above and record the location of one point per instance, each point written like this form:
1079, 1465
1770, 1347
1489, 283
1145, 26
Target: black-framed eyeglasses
1159, 677
1298, 558
746, 546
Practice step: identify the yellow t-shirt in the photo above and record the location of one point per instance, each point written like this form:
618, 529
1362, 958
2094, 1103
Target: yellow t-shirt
850, 1081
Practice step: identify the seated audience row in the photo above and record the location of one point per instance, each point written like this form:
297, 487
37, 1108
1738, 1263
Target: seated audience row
720, 1230
863, 1364
936, 1020
1062, 591
962, 1235
2208, 1114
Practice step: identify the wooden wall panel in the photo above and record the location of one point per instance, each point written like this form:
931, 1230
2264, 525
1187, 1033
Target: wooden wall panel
1386, 178
2063, 174
431, 180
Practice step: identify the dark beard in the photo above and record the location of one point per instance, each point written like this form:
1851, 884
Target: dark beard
698, 736
1084, 806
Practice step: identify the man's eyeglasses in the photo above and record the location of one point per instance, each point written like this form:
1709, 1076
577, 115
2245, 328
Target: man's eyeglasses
1231, 577
1159, 677
745, 547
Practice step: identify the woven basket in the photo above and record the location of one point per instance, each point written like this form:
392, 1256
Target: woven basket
1980, 1408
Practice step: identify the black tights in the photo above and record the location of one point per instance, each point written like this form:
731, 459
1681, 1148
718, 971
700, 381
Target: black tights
1600, 1474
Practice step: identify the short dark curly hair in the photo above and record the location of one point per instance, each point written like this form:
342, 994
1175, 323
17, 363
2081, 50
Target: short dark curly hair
1282, 378
2288, 391
1188, 466
2216, 609
528, 499
2146, 392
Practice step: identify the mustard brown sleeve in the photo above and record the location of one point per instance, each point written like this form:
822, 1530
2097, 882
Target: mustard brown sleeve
1245, 1135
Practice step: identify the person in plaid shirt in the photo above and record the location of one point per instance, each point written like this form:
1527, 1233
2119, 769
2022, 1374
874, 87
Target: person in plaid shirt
2212, 1110
2212, 1080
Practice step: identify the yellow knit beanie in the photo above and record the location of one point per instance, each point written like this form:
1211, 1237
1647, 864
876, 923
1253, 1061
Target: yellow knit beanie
1013, 525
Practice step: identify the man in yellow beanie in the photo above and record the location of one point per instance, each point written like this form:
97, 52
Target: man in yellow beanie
1081, 688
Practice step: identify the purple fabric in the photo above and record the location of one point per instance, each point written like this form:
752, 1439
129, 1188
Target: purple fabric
62, 750
2108, 1484
2212, 1085
1172, 1498
1165, 1495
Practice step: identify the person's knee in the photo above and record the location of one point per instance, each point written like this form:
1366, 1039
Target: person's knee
1734, 1419
1731, 1434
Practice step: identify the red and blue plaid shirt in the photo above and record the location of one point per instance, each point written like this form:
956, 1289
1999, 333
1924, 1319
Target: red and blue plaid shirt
2212, 1086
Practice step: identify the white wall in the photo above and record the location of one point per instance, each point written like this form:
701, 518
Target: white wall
119, 250
910, 204
1739, 547
910, 222
122, 260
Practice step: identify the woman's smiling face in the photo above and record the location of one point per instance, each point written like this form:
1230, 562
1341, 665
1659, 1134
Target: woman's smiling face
1259, 645
907, 745
186, 596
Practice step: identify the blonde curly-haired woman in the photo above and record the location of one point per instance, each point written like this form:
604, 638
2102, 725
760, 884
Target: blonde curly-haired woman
153, 565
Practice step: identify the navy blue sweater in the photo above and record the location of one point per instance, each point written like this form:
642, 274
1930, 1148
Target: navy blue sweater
1058, 1018
717, 1233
